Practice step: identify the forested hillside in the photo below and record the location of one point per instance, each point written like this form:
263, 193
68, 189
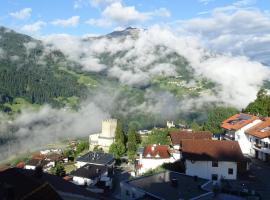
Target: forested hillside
29, 71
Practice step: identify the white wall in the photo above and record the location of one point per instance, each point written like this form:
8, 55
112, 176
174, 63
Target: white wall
205, 170
243, 139
148, 163
30, 167
81, 181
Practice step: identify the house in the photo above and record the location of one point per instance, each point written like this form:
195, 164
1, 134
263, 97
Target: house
66, 189
16, 185
259, 139
53, 158
152, 156
164, 185
89, 175
170, 124
212, 159
178, 136
106, 137
33, 163
235, 128
96, 158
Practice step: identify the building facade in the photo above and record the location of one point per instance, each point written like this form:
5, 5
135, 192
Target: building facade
106, 137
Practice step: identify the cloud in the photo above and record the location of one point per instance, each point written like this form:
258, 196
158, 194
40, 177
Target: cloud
144, 54
162, 12
33, 129
34, 27
124, 14
205, 2
97, 3
70, 22
99, 22
22, 14
244, 32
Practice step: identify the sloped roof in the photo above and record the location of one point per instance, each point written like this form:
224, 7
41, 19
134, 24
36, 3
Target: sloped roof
97, 158
212, 150
25, 187
238, 121
89, 171
178, 136
260, 130
156, 151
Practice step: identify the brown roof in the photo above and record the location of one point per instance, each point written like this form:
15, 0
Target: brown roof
219, 150
54, 157
238, 121
37, 162
158, 151
178, 136
260, 130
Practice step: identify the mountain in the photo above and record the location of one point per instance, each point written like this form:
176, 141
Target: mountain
35, 72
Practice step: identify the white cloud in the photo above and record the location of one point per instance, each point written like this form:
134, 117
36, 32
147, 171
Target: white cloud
99, 22
34, 27
205, 2
124, 15
96, 3
22, 14
70, 22
162, 12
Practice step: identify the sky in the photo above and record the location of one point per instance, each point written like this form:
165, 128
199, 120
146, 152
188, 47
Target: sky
80, 17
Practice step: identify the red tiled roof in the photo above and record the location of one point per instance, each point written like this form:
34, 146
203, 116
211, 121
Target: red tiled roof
178, 136
20, 165
260, 130
207, 150
158, 151
238, 121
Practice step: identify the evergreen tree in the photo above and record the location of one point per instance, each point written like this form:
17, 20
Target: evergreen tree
117, 149
58, 170
119, 133
131, 143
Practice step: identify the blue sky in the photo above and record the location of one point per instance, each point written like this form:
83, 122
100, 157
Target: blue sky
79, 17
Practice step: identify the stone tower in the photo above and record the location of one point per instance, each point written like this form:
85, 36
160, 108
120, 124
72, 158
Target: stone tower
108, 128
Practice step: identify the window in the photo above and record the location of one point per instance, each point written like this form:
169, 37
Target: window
214, 163
230, 171
214, 177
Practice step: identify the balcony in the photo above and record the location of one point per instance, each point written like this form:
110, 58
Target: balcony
229, 137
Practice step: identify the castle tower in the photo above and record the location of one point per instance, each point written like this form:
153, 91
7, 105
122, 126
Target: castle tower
108, 128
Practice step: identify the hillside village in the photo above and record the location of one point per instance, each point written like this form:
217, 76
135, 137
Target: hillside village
189, 164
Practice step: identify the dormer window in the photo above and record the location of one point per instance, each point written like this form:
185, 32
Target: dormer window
157, 156
148, 155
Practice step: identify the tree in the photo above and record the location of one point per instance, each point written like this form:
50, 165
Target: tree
131, 143
216, 116
195, 126
58, 170
261, 106
82, 146
119, 133
157, 137
117, 149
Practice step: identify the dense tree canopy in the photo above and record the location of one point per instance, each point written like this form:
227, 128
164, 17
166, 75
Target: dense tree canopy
132, 142
215, 116
157, 137
261, 106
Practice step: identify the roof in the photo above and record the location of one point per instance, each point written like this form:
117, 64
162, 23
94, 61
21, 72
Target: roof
260, 130
160, 185
238, 121
54, 157
178, 136
25, 187
212, 150
98, 158
89, 171
156, 151
59, 184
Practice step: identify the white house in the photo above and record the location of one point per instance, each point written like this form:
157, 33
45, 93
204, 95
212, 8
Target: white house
153, 156
90, 174
212, 159
259, 139
235, 128
33, 163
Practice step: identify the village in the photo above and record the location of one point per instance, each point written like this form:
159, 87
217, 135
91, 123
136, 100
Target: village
186, 164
